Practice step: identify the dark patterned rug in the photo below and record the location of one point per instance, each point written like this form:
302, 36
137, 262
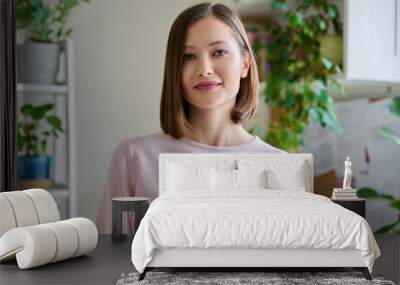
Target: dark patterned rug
242, 278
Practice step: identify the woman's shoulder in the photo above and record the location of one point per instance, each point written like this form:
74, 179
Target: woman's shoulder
263, 146
158, 142
137, 143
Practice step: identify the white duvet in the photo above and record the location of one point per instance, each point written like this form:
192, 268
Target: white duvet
251, 218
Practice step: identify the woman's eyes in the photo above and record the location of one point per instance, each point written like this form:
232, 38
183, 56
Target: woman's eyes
188, 56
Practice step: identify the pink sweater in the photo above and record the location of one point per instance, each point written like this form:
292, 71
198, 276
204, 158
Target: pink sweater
134, 167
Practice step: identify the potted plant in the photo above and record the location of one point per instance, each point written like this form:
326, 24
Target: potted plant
44, 22
372, 194
388, 236
34, 130
298, 82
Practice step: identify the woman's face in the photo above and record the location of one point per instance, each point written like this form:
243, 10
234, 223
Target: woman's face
212, 64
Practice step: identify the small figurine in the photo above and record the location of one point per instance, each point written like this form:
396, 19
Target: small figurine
347, 174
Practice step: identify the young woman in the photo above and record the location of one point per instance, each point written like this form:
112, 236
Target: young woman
210, 88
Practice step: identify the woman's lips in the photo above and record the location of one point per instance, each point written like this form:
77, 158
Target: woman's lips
207, 87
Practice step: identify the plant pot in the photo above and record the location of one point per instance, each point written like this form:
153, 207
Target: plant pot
37, 63
34, 172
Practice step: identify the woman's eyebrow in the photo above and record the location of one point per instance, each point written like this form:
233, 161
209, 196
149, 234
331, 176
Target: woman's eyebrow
211, 44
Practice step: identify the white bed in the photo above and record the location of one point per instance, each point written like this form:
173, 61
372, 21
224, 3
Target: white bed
268, 218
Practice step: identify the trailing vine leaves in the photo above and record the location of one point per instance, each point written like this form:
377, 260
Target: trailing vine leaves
298, 82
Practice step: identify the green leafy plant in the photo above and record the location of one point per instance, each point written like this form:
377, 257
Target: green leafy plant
394, 108
298, 82
45, 21
32, 134
372, 194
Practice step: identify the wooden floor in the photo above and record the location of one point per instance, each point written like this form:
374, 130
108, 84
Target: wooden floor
110, 260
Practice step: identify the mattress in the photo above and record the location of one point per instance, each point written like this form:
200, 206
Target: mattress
250, 219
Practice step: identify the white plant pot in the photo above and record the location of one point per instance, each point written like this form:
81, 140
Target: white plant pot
37, 63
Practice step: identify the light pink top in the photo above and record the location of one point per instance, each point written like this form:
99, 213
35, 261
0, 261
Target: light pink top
134, 167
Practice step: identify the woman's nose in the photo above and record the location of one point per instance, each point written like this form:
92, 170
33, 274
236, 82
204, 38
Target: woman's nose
205, 67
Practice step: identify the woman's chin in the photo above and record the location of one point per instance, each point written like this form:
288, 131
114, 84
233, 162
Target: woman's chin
212, 105
213, 102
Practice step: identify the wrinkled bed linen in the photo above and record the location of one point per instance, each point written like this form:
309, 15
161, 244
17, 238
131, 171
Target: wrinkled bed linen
250, 218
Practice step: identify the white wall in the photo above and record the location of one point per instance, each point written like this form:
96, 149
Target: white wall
119, 66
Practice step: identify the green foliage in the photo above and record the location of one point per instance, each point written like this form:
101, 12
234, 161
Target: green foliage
394, 108
45, 20
298, 81
371, 194
32, 141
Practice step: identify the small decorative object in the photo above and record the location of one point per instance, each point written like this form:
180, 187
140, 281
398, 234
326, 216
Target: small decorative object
347, 174
33, 163
44, 24
347, 192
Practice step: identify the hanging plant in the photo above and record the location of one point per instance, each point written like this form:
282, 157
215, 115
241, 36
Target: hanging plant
298, 80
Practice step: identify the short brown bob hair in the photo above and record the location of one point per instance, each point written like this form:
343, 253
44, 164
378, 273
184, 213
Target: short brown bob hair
174, 108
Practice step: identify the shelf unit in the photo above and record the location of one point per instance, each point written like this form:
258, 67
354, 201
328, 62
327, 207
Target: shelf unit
64, 101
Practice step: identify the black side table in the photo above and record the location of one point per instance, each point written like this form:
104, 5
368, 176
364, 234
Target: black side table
355, 205
138, 205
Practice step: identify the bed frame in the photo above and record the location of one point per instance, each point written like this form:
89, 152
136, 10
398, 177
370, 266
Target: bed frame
249, 259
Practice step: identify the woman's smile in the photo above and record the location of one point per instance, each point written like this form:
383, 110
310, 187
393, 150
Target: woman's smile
208, 87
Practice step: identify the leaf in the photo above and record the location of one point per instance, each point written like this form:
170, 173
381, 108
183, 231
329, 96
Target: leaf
26, 109
55, 122
291, 67
396, 204
394, 107
280, 6
300, 64
367, 193
326, 63
39, 112
331, 10
319, 88
313, 114
322, 24
389, 133
372, 194
297, 20
388, 229
21, 143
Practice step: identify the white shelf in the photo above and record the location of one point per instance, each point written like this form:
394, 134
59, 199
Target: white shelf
36, 88
66, 189
357, 89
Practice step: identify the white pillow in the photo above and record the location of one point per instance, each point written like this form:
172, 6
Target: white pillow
282, 174
224, 179
236, 179
184, 177
294, 180
251, 178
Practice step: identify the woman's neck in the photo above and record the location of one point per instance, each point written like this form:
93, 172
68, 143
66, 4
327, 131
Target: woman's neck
216, 128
